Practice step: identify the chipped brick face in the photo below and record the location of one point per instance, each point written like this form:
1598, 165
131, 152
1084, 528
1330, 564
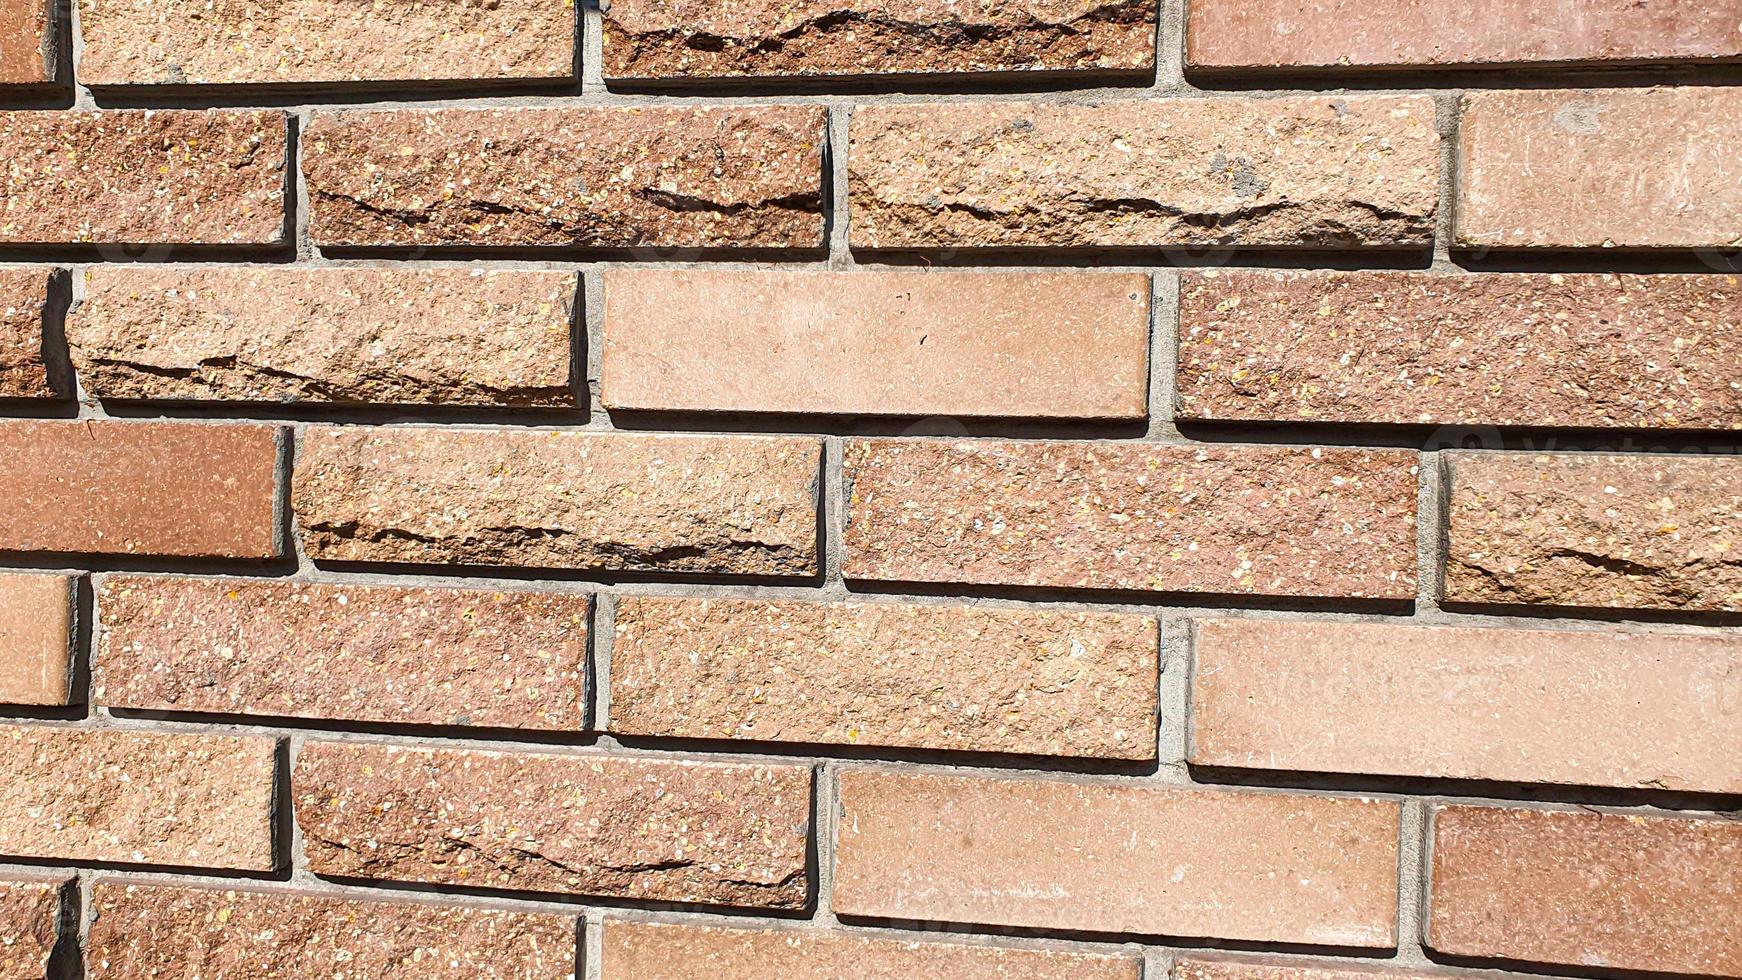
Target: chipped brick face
23, 310
27, 44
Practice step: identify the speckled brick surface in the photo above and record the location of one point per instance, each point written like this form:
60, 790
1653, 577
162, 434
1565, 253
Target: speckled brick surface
36, 639
23, 304
30, 909
27, 43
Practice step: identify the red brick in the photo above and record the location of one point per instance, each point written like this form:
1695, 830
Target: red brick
36, 630
23, 307
27, 42
30, 914
1276, 968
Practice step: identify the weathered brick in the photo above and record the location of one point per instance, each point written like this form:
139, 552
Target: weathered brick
137, 797
1330, 172
1236, 520
723, 504
1045, 345
568, 177
264, 334
27, 42
36, 624
1264, 867
1537, 169
23, 305
1635, 531
142, 177
30, 913
937, 677
1274, 968
146, 488
357, 653
1637, 710
720, 833
1587, 889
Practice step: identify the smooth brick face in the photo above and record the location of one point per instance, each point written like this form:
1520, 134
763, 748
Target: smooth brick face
27, 46
202, 801
1263, 867
719, 833
347, 653
1638, 531
36, 627
1537, 169
138, 488
1627, 892
1635, 710
881, 343
262, 334
1316, 173
1235, 520
719, 504
746, 177
937, 677
23, 301
30, 911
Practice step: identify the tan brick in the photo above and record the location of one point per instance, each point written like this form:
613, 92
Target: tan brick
23, 307
1537, 169
146, 488
1276, 968
718, 833
1587, 889
27, 42
36, 628
1044, 345
30, 914
266, 334
936, 677
351, 653
1241, 520
1635, 531
202, 801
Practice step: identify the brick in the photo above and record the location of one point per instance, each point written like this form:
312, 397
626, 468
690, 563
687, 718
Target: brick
1242, 520
149, 930
1588, 530
619, 502
587, 177
464, 657
23, 309
30, 912
27, 42
717, 833
1491, 349
1627, 892
1321, 173
1536, 169
1635, 710
1275, 968
186, 489
878, 343
1263, 867
910, 676
201, 801
36, 629
143, 177
384, 336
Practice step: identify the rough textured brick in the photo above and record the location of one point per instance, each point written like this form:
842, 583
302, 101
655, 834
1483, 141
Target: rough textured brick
264, 334
1641, 710
30, 909
878, 343
1626, 892
146, 488
36, 629
938, 677
133, 176
1266, 867
568, 177
1329, 172
1537, 169
1273, 968
723, 504
720, 833
1240, 520
27, 43
1488, 349
23, 304
355, 653
137, 797
1648, 532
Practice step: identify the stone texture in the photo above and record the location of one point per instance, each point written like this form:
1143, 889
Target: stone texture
464, 657
36, 629
1043, 345
27, 43
651, 830
30, 910
1634, 710
1593, 890
1537, 169
142, 177
574, 177
187, 489
202, 801
1487, 349
617, 502
1290, 969
23, 304
934, 677
1635, 531
1323, 173
276, 334
1261, 867
1244, 520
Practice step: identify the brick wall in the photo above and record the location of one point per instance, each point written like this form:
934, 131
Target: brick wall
1211, 490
